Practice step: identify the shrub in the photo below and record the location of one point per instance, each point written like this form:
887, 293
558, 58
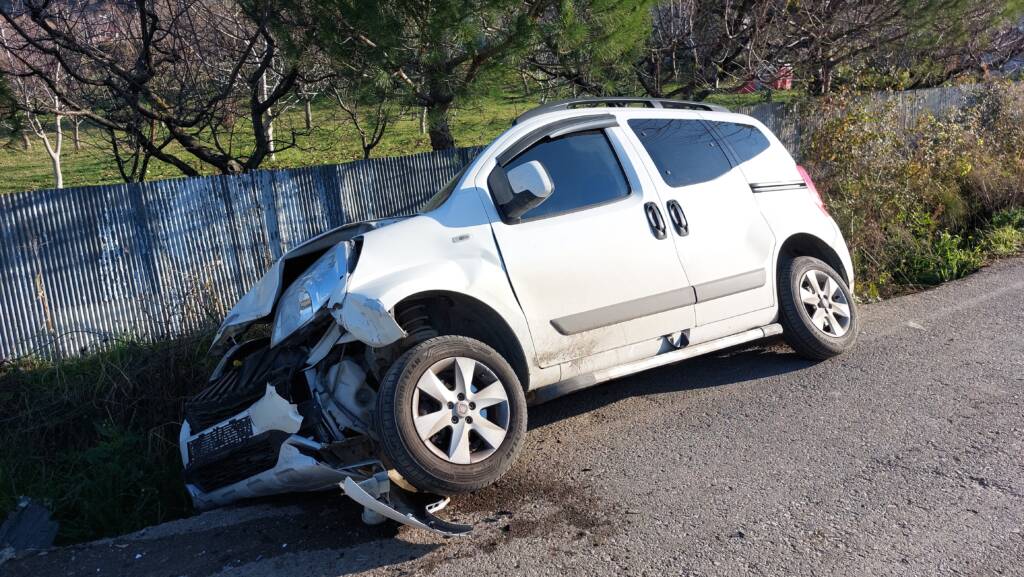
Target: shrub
948, 257
913, 199
95, 438
1013, 218
1004, 241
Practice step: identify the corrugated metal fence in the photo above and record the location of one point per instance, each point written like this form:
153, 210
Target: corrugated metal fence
157, 259
80, 265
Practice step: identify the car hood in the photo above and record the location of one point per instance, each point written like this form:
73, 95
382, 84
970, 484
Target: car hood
259, 302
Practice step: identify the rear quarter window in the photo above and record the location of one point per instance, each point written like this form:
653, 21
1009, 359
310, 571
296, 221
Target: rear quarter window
747, 141
684, 151
762, 158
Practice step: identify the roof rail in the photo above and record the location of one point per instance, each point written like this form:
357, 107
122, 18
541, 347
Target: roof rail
618, 101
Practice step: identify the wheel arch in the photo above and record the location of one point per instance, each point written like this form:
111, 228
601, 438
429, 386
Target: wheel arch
455, 313
804, 244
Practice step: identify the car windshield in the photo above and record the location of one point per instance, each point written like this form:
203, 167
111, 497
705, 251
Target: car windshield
443, 194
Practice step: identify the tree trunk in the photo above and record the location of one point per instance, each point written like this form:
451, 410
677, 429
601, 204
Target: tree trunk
437, 126
26, 142
423, 120
821, 84
54, 149
58, 172
309, 114
76, 137
270, 120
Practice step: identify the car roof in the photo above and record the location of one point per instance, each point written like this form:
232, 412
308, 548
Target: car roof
617, 102
625, 113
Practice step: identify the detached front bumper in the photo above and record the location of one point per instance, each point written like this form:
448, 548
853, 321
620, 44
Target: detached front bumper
258, 452
251, 470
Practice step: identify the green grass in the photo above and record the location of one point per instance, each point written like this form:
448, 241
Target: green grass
333, 140
732, 100
94, 438
1005, 240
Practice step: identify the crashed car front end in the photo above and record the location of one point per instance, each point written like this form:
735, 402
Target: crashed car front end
290, 408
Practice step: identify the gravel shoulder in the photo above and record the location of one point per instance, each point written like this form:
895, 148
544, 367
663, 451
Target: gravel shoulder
903, 457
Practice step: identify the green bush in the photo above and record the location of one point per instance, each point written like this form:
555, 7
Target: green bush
948, 257
95, 437
1013, 218
913, 203
1005, 235
1004, 241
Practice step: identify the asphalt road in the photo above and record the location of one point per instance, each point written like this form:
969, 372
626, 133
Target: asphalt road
903, 457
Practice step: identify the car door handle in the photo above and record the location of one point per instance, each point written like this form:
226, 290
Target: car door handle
675, 212
655, 220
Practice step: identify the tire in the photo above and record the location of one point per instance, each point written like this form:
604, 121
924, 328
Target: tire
815, 330
431, 462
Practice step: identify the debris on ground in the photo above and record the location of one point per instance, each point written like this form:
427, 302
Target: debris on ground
29, 526
6, 554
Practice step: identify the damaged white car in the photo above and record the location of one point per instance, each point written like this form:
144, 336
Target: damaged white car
595, 238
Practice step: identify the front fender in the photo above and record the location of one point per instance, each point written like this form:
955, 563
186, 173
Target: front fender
423, 255
258, 304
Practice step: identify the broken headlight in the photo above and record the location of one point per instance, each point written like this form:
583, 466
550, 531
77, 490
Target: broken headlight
310, 292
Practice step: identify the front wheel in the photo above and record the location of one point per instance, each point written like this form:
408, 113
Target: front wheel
817, 311
451, 415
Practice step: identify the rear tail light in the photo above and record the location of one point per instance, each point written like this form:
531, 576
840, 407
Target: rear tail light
813, 190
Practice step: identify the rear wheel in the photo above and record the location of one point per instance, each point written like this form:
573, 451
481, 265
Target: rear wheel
816, 308
451, 415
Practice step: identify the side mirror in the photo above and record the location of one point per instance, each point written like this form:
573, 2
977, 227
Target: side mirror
529, 186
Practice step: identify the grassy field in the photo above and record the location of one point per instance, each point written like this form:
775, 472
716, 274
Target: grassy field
333, 140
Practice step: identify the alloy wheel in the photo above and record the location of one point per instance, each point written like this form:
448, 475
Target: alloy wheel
460, 410
825, 302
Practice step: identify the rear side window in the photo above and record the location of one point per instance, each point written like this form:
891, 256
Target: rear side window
684, 151
746, 140
584, 169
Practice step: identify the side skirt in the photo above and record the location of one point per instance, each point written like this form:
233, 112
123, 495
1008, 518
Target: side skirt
581, 382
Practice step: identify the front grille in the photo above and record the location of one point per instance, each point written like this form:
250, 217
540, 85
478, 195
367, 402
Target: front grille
253, 456
228, 396
219, 439
245, 382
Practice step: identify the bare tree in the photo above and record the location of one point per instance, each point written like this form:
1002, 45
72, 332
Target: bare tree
370, 120
169, 78
697, 46
973, 40
39, 102
822, 36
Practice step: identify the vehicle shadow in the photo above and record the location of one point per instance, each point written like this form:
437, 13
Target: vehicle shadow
730, 366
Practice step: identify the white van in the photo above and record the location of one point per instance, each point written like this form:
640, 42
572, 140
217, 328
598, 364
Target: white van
593, 239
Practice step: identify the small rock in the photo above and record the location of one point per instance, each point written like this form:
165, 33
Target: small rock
29, 526
6, 554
